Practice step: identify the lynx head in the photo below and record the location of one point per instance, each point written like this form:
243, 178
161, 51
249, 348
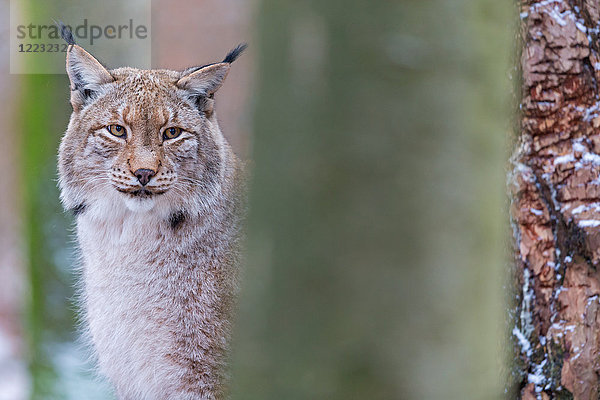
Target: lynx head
148, 139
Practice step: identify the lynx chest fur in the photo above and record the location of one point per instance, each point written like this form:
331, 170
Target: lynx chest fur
157, 194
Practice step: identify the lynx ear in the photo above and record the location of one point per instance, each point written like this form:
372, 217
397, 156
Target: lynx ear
205, 80
86, 74
202, 82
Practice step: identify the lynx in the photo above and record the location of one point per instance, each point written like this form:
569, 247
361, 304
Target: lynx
158, 198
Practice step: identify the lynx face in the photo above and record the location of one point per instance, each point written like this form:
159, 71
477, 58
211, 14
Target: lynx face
147, 138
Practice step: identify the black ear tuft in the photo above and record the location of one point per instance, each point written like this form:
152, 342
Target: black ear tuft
235, 53
65, 32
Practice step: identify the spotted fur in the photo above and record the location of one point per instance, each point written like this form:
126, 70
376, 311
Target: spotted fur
159, 262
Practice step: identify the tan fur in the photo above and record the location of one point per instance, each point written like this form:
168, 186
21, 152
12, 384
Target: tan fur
159, 268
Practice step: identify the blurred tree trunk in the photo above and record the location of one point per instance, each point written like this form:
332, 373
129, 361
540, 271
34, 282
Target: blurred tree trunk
14, 382
556, 203
375, 250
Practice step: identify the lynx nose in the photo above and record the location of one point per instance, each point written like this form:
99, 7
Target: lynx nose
144, 175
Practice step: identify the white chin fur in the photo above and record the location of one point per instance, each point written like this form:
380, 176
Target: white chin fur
139, 204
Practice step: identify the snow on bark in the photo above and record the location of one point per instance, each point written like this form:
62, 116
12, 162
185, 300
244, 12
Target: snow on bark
555, 185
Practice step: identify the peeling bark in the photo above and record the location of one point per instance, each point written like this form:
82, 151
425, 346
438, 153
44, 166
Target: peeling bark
555, 189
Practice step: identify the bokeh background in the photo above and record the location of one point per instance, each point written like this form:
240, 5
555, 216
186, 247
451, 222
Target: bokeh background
376, 133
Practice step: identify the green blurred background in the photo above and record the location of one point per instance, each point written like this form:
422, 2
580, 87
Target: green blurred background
377, 133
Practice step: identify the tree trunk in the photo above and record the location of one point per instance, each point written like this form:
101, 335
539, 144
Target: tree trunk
555, 187
14, 382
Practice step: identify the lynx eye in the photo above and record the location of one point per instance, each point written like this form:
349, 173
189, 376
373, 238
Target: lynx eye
117, 130
171, 133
